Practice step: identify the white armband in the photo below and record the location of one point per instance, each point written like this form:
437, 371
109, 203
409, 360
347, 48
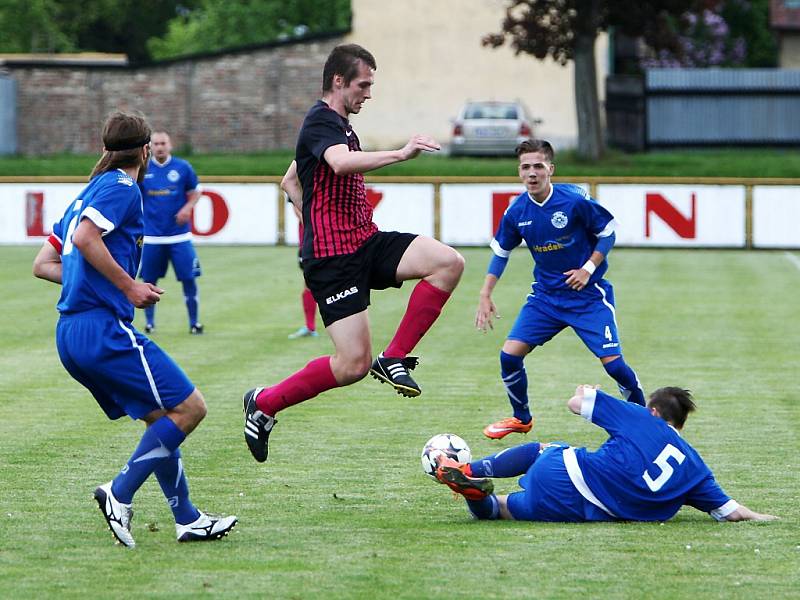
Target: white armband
589, 266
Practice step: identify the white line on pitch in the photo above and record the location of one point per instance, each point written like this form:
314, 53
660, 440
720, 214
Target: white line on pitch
793, 258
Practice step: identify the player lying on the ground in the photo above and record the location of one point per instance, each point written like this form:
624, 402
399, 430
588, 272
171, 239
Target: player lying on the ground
645, 470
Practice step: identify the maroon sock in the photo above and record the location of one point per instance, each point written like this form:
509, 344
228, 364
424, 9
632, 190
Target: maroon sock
314, 378
424, 307
309, 309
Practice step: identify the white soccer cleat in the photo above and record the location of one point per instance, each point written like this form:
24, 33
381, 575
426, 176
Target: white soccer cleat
205, 528
117, 515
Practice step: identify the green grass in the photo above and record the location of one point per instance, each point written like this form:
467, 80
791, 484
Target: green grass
342, 509
692, 163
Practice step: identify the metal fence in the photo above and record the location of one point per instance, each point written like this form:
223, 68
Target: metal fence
704, 107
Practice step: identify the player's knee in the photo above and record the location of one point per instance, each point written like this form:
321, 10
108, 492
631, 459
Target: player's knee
455, 263
353, 369
195, 407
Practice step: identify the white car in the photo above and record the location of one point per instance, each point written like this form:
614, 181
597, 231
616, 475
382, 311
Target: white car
490, 128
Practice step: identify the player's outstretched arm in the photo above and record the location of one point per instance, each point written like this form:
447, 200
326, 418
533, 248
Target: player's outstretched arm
745, 514
345, 162
88, 239
47, 264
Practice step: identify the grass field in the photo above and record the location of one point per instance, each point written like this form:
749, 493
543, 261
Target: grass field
342, 509
723, 162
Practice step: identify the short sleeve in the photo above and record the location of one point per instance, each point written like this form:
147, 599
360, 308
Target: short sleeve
507, 237
111, 204
191, 178
613, 415
322, 132
597, 219
709, 497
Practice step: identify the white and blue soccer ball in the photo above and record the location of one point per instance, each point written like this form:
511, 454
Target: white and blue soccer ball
448, 444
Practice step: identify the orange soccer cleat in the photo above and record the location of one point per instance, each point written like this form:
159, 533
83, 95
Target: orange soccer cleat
502, 428
452, 474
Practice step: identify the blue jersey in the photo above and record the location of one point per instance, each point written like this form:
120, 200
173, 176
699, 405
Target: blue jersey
645, 471
164, 191
560, 233
112, 201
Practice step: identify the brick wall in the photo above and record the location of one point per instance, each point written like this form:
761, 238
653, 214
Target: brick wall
243, 101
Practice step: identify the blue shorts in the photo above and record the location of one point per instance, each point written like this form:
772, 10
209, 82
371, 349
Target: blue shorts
126, 372
590, 313
549, 494
156, 258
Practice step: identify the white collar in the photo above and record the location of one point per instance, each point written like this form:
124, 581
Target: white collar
158, 164
550, 195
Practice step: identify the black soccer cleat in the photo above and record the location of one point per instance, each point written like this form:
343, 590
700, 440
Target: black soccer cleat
196, 329
394, 371
257, 426
149, 328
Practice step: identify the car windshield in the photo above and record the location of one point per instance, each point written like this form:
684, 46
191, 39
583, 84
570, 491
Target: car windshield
490, 111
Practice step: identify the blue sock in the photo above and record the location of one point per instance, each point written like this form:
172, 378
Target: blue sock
488, 508
190, 296
159, 441
626, 379
172, 480
512, 369
507, 463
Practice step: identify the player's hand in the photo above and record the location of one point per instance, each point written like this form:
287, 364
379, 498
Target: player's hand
577, 278
142, 294
486, 310
417, 144
183, 215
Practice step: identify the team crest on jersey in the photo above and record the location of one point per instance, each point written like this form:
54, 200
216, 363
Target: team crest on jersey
559, 220
140, 241
173, 175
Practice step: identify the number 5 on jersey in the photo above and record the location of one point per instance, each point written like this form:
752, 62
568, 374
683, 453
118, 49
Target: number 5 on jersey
666, 468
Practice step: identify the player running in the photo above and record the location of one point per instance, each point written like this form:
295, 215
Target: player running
169, 193
94, 253
569, 236
345, 256
645, 470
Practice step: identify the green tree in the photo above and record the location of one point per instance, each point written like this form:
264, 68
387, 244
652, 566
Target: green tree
218, 24
32, 26
96, 25
567, 30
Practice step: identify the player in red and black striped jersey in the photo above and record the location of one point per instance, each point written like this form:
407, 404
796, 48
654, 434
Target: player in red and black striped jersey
345, 255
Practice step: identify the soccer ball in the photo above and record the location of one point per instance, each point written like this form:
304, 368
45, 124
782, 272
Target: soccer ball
448, 444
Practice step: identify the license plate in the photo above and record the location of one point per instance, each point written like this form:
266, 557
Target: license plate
489, 132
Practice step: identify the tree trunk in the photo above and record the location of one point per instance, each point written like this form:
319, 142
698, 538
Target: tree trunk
590, 136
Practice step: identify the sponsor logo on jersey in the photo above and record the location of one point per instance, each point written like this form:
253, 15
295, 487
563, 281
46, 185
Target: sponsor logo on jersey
548, 247
559, 220
340, 295
611, 345
148, 175
173, 175
524, 223
125, 180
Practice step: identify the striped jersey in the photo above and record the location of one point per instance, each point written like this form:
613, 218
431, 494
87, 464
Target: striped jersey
336, 214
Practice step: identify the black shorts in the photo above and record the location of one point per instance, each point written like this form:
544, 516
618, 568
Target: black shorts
341, 284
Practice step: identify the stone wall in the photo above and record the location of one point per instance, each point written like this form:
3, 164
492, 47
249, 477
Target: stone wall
249, 100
